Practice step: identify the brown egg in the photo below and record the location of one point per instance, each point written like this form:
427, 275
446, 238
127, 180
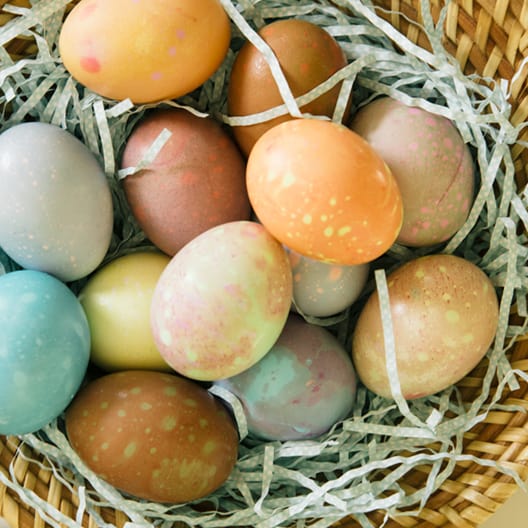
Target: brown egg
308, 56
444, 312
197, 180
153, 435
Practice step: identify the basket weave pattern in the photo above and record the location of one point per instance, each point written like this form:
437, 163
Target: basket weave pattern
487, 37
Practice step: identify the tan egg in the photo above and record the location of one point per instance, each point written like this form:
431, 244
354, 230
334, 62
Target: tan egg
153, 435
444, 311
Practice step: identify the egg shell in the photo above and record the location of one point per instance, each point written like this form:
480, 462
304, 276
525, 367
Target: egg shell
116, 300
444, 312
321, 289
153, 435
222, 301
59, 216
431, 163
144, 51
301, 388
196, 181
44, 350
308, 56
321, 190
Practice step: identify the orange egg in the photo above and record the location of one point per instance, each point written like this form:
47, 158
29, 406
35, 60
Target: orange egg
321, 190
145, 51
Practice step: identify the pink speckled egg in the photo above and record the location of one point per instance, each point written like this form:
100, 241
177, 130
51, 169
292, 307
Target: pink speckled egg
222, 301
431, 163
302, 387
321, 289
444, 311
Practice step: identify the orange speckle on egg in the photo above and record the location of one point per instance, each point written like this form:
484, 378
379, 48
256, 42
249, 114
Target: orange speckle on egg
90, 64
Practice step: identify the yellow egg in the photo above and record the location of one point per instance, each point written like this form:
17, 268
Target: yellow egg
145, 51
117, 301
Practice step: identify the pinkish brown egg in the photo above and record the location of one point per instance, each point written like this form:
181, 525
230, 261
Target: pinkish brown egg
196, 181
153, 435
429, 160
444, 312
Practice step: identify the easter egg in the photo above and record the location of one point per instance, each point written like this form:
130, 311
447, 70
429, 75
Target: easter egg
153, 435
308, 56
321, 190
301, 388
431, 163
144, 51
59, 216
44, 350
116, 300
195, 182
322, 289
444, 312
222, 301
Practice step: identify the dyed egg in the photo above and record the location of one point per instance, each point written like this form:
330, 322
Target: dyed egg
59, 216
44, 350
146, 52
302, 387
321, 289
308, 56
322, 191
197, 180
444, 311
153, 435
431, 163
222, 301
117, 300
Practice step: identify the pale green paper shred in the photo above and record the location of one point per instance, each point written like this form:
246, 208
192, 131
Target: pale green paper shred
365, 459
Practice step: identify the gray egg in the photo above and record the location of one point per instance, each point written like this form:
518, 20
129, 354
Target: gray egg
56, 210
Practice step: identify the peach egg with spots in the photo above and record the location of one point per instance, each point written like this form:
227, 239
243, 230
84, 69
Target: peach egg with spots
444, 312
431, 163
222, 301
153, 435
144, 51
195, 182
321, 289
322, 191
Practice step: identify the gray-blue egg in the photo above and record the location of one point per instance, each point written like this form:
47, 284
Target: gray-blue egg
56, 210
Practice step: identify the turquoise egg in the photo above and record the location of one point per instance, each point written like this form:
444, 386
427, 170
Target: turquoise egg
44, 350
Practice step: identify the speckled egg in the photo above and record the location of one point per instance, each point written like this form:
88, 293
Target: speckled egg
196, 181
301, 388
222, 301
322, 289
56, 214
153, 435
444, 311
116, 300
431, 163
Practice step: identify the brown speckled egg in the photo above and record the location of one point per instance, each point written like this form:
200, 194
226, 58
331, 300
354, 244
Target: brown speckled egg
153, 435
444, 311
197, 180
429, 160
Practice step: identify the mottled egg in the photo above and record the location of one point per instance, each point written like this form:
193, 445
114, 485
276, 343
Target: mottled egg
322, 289
145, 51
196, 181
44, 350
116, 300
222, 301
444, 312
302, 387
59, 216
322, 190
153, 435
308, 55
431, 163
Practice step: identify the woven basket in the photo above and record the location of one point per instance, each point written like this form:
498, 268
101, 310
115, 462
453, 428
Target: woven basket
487, 37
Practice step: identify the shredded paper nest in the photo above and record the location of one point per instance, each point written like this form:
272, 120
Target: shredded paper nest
361, 464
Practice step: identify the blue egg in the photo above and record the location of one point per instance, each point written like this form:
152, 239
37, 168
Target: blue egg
44, 350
